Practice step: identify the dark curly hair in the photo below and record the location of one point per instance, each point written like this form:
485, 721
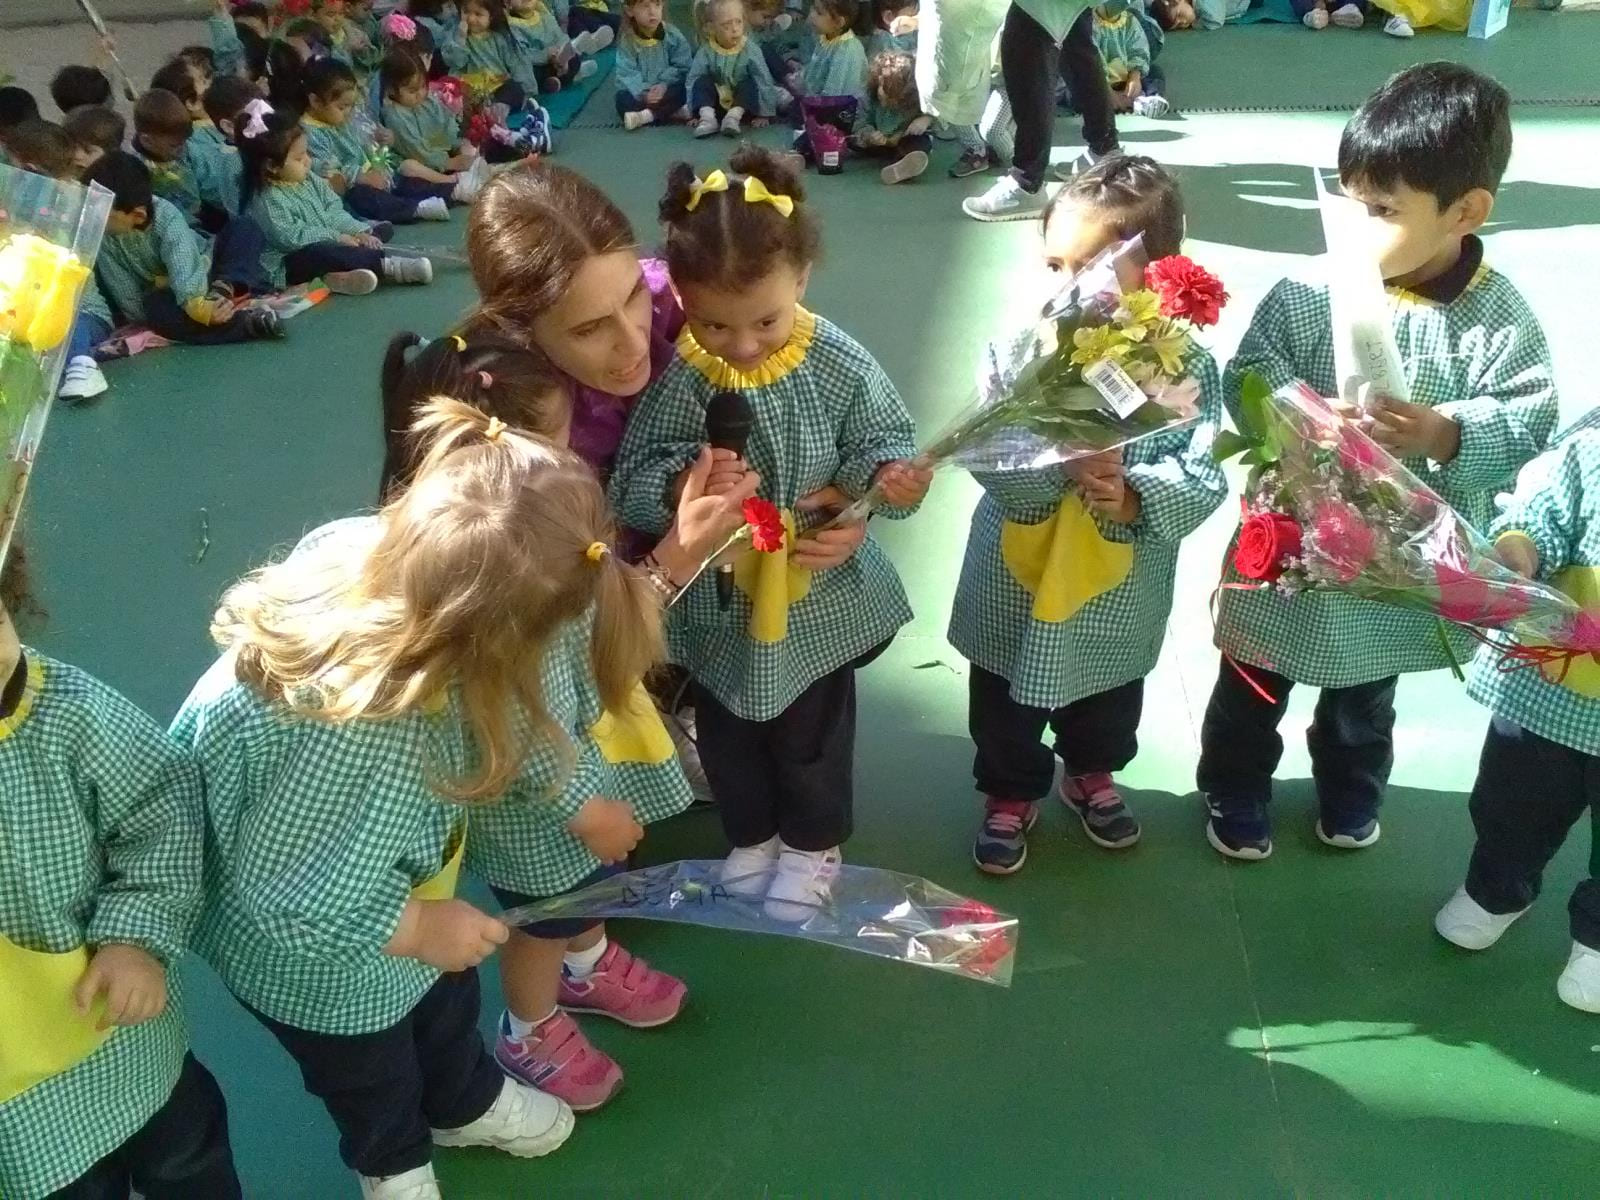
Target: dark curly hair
892, 81
1137, 195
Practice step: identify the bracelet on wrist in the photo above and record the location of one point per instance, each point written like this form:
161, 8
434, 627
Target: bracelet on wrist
660, 578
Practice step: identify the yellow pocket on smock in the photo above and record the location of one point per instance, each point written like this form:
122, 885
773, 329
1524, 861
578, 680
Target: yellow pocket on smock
1583, 672
442, 886
42, 1034
635, 735
772, 585
1063, 562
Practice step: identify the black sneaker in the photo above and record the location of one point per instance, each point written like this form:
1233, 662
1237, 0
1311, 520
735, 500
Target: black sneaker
1242, 833
1002, 844
1348, 831
970, 163
1106, 819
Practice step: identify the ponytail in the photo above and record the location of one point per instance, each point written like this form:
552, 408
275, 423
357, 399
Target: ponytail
627, 638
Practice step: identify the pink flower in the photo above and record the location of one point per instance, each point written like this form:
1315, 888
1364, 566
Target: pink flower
1181, 398
1343, 541
1358, 452
1471, 599
398, 27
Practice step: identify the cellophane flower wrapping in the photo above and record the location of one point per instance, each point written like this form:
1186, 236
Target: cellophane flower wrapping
1326, 507
1036, 403
873, 911
49, 235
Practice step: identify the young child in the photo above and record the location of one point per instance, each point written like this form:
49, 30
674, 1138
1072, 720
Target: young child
44, 148
728, 78
541, 55
75, 87
652, 64
346, 42
832, 86
308, 232
438, 17
153, 268
894, 27
1316, 14
1123, 46
484, 54
427, 135
772, 27
93, 132
1077, 665
370, 696
100, 835
16, 106
1536, 775
202, 182
353, 166
228, 27
1425, 154
893, 125
226, 98
774, 671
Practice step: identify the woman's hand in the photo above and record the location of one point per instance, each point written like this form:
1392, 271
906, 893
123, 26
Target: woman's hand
704, 522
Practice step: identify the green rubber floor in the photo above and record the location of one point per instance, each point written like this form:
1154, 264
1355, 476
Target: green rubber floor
1178, 1026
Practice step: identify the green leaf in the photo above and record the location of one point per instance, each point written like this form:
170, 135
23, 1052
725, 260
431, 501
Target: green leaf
1254, 409
1227, 444
1449, 650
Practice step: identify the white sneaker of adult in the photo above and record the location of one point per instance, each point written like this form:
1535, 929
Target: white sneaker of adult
1006, 200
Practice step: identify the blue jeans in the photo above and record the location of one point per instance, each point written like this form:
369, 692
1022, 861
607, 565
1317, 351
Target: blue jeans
671, 102
88, 331
745, 96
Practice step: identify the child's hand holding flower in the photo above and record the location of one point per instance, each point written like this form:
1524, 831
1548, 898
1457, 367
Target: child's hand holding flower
1103, 480
132, 980
1414, 430
903, 483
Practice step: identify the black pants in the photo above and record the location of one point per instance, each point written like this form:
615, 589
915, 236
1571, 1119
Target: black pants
792, 775
1029, 61
671, 101
1530, 791
1351, 741
319, 258
181, 1153
385, 1091
1096, 734
588, 20
745, 96
397, 204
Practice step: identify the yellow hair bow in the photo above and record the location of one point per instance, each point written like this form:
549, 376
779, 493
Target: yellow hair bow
714, 182
755, 192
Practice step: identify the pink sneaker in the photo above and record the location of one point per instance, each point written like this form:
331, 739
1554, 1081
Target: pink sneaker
626, 989
558, 1060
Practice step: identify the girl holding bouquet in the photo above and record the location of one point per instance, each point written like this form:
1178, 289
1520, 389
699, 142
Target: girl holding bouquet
774, 655
1067, 581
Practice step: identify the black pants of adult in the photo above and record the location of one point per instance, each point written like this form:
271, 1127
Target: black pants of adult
1030, 61
671, 101
387, 1090
1530, 792
745, 95
1351, 740
319, 258
181, 1153
1096, 734
792, 775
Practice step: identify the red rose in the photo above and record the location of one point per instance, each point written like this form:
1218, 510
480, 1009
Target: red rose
766, 524
1265, 540
1186, 289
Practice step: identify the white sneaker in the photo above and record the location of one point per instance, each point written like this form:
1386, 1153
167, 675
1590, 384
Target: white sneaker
1151, 106
908, 166
360, 282
523, 1121
586, 69
1466, 923
1348, 16
1073, 167
81, 380
802, 883
683, 116
638, 120
731, 122
1399, 27
467, 188
418, 1184
1317, 18
433, 209
1006, 200
708, 124
583, 43
398, 269
603, 37
1579, 984
748, 870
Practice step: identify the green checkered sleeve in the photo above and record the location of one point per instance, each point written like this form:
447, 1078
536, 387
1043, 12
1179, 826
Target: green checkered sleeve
182, 253
1179, 484
665, 433
1026, 496
877, 429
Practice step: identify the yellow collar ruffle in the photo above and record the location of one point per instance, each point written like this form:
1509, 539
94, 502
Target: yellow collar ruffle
717, 47
31, 688
640, 40
780, 363
847, 35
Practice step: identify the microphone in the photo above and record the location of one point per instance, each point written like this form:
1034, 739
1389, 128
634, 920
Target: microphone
728, 424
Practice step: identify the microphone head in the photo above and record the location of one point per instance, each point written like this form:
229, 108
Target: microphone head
729, 420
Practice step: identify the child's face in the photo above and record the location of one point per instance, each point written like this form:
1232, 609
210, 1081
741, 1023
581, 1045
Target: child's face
646, 15
890, 15
330, 14
296, 164
121, 223
161, 147
825, 23
727, 24
411, 93
744, 328
522, 8
1415, 239
1075, 236
1180, 14
476, 18
335, 109
84, 157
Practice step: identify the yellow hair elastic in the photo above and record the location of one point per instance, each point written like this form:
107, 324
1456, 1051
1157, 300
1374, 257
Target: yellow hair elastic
714, 182
495, 428
596, 551
461, 342
755, 192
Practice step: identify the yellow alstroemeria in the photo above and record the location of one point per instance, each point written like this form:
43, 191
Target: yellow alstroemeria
1101, 341
39, 284
1143, 307
1169, 346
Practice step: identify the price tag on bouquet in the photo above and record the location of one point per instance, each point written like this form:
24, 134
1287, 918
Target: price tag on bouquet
1116, 387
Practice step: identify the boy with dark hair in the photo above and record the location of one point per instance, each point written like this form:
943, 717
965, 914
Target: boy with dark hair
1424, 155
156, 269
74, 87
224, 100
42, 147
16, 106
94, 131
198, 179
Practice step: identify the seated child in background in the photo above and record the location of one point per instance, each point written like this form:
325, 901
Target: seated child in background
544, 57
1316, 14
427, 135
355, 167
16, 106
438, 17
1541, 757
309, 233
652, 65
155, 269
893, 125
1425, 155
728, 78
1125, 50
345, 41
485, 55
225, 99
591, 16
74, 87
229, 25
832, 86
194, 175
894, 28
773, 29
201, 64
101, 824
1070, 665
94, 131
44, 148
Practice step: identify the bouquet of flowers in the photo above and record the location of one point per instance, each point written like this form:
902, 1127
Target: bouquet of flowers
1103, 366
1326, 507
450, 92
49, 235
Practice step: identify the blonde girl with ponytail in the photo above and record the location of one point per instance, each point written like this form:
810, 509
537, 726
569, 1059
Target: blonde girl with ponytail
395, 676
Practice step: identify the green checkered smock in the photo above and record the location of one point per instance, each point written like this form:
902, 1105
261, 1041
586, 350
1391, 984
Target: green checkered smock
1480, 358
1557, 505
1115, 637
296, 215
100, 836
825, 413
338, 148
427, 133
165, 253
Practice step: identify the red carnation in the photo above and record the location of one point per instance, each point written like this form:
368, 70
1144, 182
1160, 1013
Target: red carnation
1265, 540
1186, 289
766, 524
